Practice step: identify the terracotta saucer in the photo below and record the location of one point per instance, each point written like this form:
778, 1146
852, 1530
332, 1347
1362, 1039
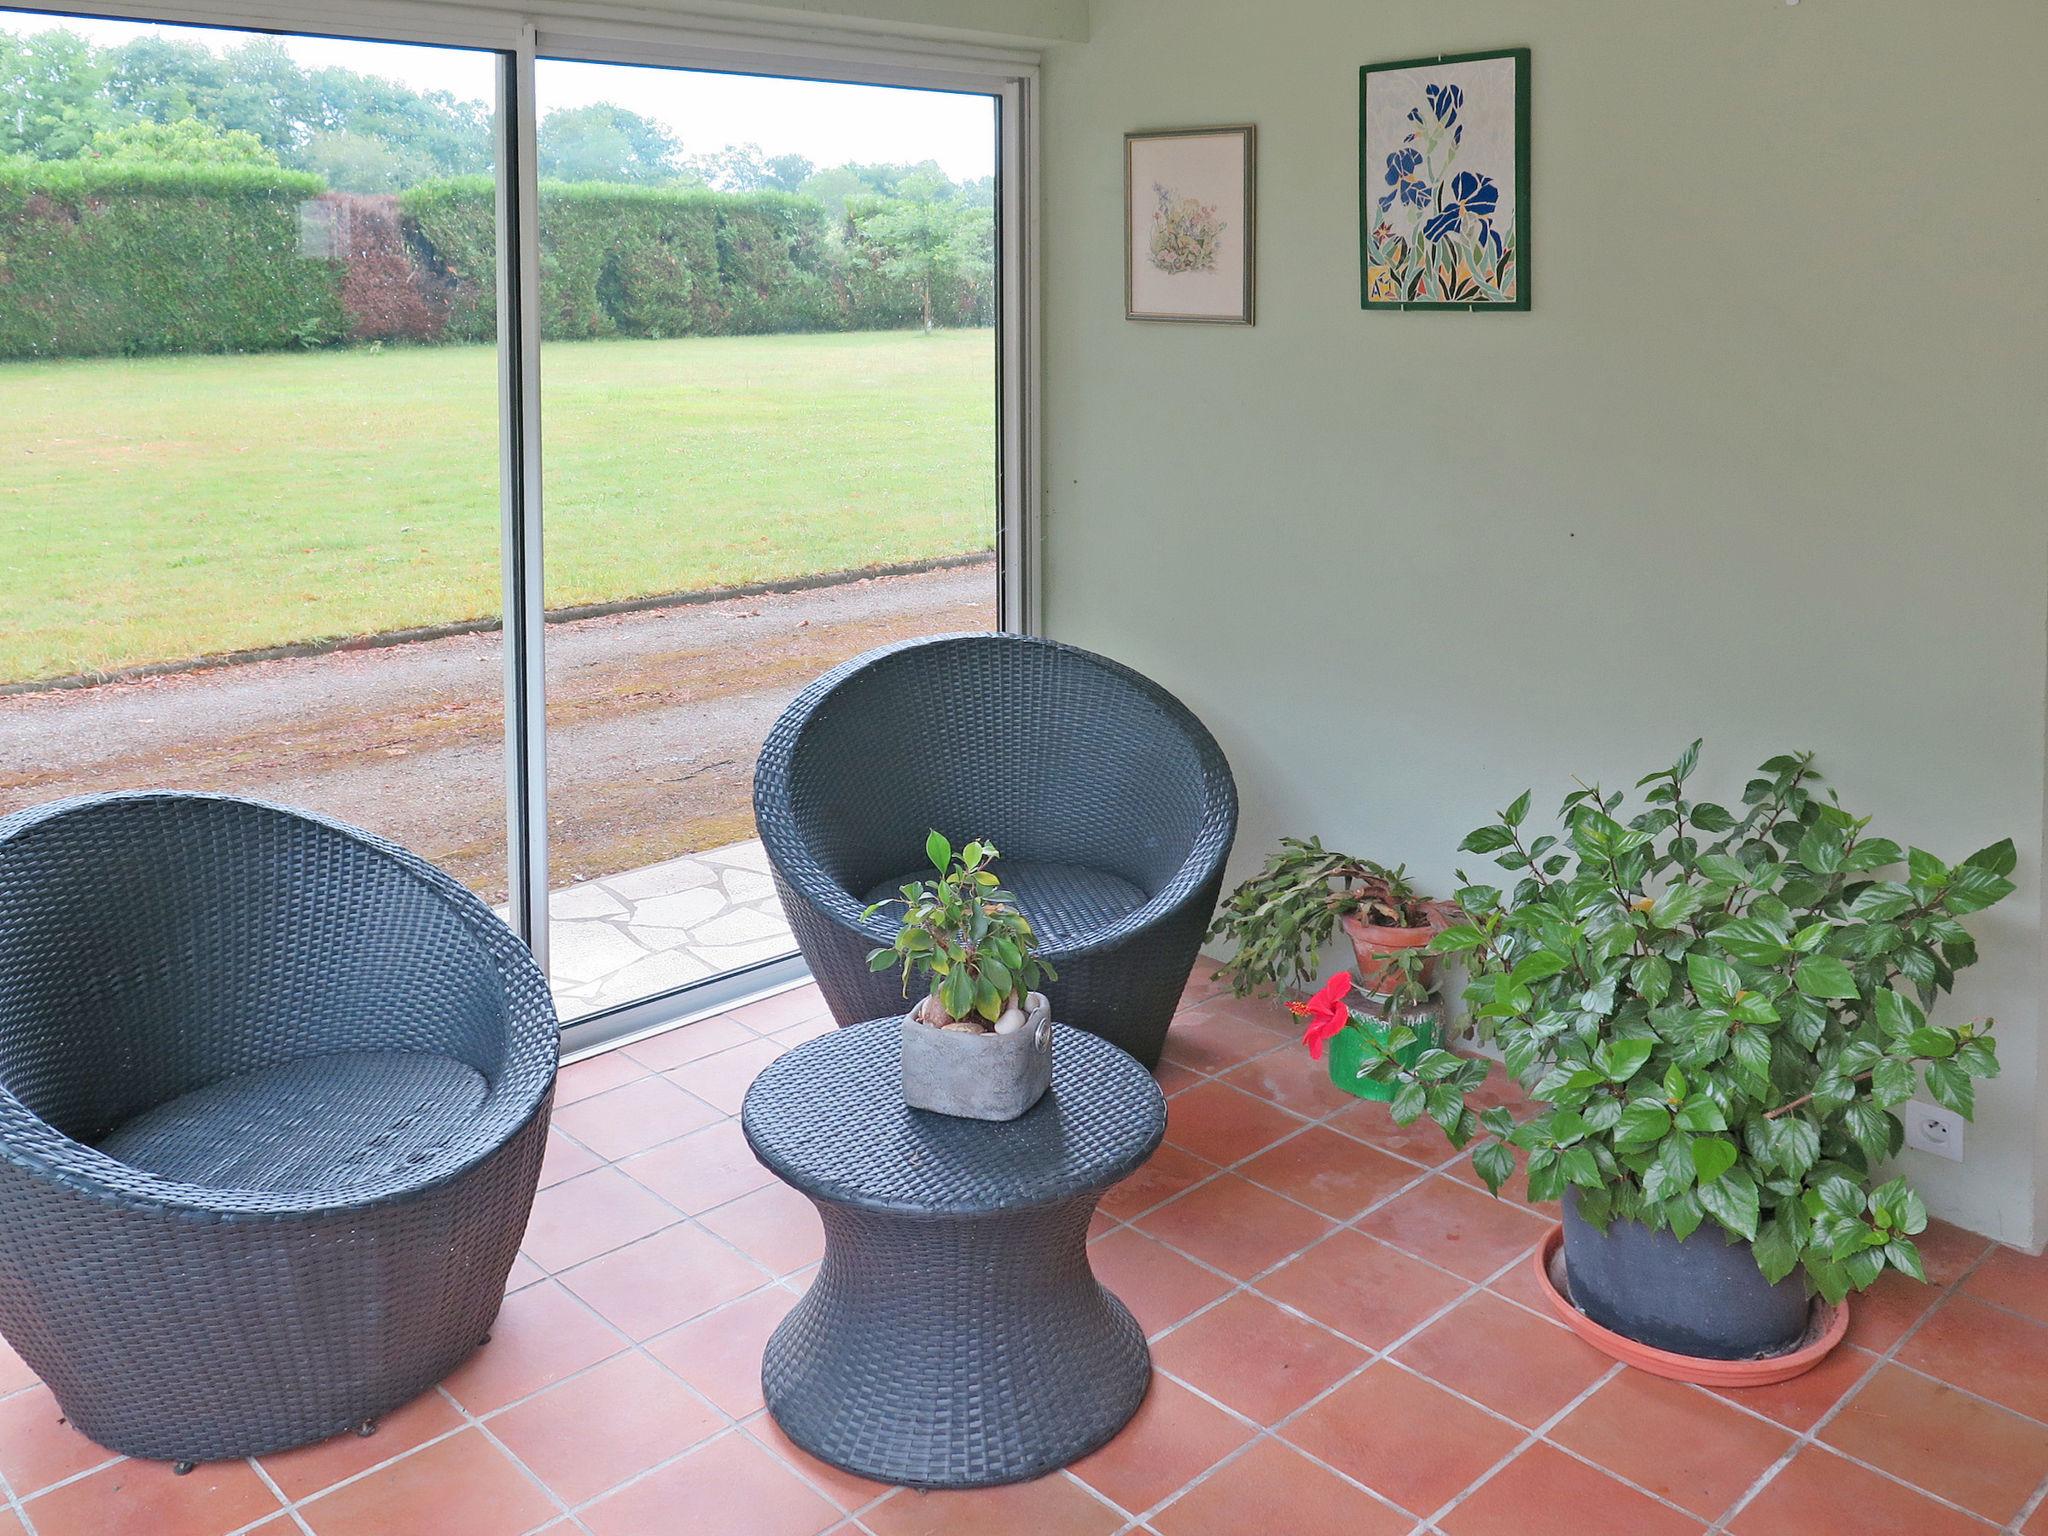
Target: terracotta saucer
1824, 1330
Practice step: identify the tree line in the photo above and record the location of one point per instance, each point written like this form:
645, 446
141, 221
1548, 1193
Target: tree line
166, 100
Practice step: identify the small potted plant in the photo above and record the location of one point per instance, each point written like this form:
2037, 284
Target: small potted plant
978, 1044
1280, 919
1719, 1012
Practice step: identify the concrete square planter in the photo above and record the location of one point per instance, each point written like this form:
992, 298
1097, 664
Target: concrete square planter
979, 1077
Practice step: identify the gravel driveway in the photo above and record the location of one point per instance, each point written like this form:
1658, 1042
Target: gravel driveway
655, 719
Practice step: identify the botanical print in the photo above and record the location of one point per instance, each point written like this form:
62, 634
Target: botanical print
1186, 234
1441, 148
1188, 219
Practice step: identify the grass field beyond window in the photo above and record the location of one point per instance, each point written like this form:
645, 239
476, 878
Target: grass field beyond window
163, 508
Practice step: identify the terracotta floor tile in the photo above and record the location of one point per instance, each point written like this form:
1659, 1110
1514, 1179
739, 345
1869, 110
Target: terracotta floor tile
1461, 1229
730, 1487
650, 1286
1157, 1284
1172, 1077
1251, 1356
1164, 1174
774, 1225
1273, 1487
37, 1446
721, 1080
1223, 1124
768, 1014
565, 1160
720, 1353
461, 1486
642, 1114
1206, 980
611, 1423
1050, 1506
1235, 1226
1175, 1435
1680, 1443
1515, 1189
1335, 1174
677, 1047
2012, 1279
1801, 1402
1521, 1285
1947, 1251
595, 1074
594, 1214
1213, 1037
797, 1034
1405, 1438
1505, 1357
1880, 1316
842, 1488
524, 1273
309, 1469
1293, 1079
1371, 1122
1362, 1288
14, 1371
1988, 1350
1918, 1429
1544, 1492
1819, 1489
145, 1498
10, 1526
542, 1335
703, 1169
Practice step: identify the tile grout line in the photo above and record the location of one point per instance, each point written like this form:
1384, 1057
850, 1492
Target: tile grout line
1811, 1435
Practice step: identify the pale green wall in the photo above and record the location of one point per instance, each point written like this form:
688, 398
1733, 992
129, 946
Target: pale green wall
1020, 20
1765, 464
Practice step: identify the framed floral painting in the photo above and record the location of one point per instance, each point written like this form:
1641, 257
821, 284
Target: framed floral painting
1443, 182
1188, 212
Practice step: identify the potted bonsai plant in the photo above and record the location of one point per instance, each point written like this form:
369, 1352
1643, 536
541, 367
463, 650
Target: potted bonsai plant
979, 1042
1280, 919
1719, 1010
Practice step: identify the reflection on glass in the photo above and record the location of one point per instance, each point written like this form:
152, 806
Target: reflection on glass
249, 427
768, 361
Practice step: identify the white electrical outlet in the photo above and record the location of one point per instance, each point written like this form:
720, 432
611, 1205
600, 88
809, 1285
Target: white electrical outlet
1930, 1128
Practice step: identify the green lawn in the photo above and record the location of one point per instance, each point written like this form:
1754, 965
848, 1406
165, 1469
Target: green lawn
159, 508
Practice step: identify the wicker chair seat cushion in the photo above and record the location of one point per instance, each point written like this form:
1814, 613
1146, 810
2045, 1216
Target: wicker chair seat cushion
1065, 902
324, 1125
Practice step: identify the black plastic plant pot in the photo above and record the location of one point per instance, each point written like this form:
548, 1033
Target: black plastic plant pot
1703, 1296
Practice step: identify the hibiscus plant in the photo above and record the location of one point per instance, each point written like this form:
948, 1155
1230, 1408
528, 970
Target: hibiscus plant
1718, 1012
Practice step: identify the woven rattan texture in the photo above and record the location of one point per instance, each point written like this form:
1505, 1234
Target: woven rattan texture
167, 960
955, 1335
829, 1118
1065, 759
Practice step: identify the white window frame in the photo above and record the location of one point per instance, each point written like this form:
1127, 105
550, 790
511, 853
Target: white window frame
796, 49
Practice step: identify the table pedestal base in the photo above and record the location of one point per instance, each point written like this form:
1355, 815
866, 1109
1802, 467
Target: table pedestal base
952, 1351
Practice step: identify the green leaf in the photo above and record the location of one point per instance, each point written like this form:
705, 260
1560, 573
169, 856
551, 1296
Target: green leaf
1881, 900
1823, 976
1929, 1041
1676, 904
1777, 1248
1409, 1102
1642, 1122
940, 852
1516, 810
1537, 965
1732, 1201
1714, 979
1712, 1156
1651, 978
1490, 839
1622, 1059
1456, 938
1700, 1113
1972, 889
1495, 1163
1748, 939
1897, 1014
1999, 859
1951, 1087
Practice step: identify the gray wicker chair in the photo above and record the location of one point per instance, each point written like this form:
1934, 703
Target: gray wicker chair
1112, 805
273, 1095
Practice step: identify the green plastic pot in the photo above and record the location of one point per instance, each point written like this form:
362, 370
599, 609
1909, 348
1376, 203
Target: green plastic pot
1347, 1054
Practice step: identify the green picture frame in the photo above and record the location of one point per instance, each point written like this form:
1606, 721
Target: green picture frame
1437, 227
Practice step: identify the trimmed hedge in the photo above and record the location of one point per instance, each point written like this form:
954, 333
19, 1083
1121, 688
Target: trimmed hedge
109, 258
98, 259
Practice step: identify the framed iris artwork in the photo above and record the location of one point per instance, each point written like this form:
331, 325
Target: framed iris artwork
1443, 195
1188, 211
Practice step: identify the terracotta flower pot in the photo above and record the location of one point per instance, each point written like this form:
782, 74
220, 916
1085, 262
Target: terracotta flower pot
1373, 944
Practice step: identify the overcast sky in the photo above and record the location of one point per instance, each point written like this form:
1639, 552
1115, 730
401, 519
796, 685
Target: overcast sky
828, 123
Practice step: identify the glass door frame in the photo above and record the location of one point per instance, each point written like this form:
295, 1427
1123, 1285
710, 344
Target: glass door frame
800, 50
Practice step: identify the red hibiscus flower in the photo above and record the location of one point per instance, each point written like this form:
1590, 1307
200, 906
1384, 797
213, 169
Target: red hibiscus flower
1327, 1012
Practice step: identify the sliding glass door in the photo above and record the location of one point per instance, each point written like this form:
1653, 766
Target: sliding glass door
768, 395
482, 447
249, 440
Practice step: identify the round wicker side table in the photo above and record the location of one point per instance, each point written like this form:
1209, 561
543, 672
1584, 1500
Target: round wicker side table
955, 1336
